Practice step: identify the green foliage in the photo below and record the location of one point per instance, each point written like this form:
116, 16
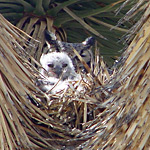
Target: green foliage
79, 19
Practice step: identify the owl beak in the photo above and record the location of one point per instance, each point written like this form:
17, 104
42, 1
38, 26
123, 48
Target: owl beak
58, 71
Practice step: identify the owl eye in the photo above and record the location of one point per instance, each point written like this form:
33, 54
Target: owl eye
50, 65
64, 65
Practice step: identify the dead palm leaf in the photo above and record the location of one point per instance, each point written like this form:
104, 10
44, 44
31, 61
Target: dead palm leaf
125, 122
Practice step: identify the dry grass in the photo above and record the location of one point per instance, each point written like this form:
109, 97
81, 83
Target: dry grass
112, 112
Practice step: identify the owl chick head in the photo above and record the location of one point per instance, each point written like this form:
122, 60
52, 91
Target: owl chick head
58, 65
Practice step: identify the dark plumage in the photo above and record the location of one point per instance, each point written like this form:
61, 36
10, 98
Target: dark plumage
84, 48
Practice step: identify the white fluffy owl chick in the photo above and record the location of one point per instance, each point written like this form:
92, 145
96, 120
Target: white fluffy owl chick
58, 72
58, 65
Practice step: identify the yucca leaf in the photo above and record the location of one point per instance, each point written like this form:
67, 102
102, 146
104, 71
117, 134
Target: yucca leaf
26, 5
84, 13
14, 7
53, 12
89, 28
46, 4
6, 10
39, 10
107, 25
13, 16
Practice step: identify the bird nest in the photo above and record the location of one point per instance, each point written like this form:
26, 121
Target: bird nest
109, 112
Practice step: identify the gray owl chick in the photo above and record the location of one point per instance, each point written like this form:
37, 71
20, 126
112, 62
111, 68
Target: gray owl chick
58, 71
58, 65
